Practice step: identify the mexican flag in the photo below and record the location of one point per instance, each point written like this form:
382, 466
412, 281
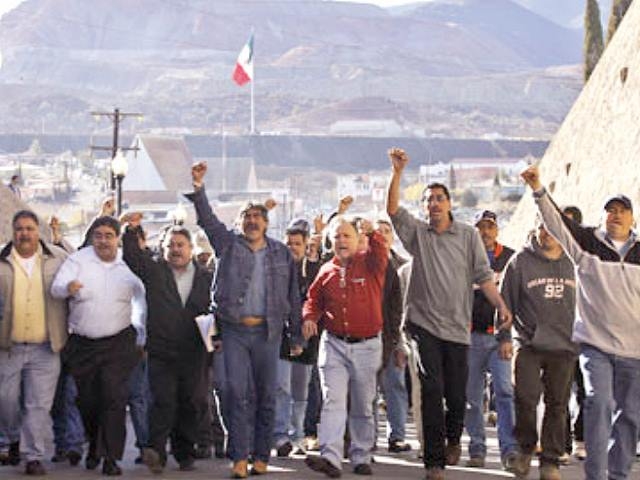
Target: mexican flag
243, 72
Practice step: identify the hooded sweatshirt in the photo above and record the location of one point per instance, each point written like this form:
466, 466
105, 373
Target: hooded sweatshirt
541, 293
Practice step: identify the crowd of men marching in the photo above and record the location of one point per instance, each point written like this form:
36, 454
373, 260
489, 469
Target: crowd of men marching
309, 331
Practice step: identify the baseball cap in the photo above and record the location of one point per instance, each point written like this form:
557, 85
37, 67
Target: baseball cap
299, 225
623, 199
487, 215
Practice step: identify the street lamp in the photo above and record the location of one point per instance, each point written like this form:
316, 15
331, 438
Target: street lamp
119, 168
179, 214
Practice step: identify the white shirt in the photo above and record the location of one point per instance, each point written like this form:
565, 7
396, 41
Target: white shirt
111, 297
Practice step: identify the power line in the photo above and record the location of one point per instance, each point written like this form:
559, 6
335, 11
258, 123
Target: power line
116, 117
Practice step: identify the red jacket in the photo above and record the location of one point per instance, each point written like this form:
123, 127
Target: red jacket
350, 298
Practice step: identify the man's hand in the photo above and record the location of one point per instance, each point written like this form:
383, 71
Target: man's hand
399, 159
505, 318
531, 175
295, 351
197, 173
344, 204
399, 358
270, 204
365, 227
309, 329
107, 208
74, 287
505, 350
318, 223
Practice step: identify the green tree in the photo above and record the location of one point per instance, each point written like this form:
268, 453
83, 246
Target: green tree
618, 9
593, 45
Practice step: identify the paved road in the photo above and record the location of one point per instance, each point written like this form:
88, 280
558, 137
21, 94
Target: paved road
397, 467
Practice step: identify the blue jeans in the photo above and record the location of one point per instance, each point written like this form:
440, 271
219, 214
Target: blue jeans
483, 358
314, 404
28, 376
291, 401
250, 360
610, 381
139, 401
68, 431
395, 394
347, 369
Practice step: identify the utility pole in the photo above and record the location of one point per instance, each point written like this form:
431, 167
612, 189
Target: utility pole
116, 117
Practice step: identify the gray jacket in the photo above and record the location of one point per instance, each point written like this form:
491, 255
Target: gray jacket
608, 306
541, 294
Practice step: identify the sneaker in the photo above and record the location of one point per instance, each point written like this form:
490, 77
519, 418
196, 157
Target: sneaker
35, 468
452, 454
434, 473
322, 465
284, 450
259, 467
91, 462
522, 465
550, 471
580, 451
299, 450
475, 462
509, 462
363, 469
240, 469
398, 446
492, 419
312, 444
152, 460
564, 459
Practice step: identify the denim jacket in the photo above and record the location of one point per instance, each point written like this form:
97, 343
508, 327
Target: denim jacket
233, 274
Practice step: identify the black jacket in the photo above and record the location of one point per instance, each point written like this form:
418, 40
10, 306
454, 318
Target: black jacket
171, 329
483, 312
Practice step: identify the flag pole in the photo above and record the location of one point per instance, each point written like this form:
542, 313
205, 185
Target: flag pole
253, 113
253, 80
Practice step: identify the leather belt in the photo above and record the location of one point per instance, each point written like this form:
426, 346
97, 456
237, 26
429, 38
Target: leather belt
251, 321
348, 339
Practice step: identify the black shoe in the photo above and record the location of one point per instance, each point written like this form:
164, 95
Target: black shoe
73, 457
322, 465
218, 449
284, 450
91, 462
363, 469
202, 451
187, 465
35, 468
59, 457
14, 454
111, 468
399, 446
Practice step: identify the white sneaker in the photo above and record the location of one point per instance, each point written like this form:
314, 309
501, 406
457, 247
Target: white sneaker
579, 451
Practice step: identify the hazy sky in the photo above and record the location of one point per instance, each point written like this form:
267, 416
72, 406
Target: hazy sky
6, 5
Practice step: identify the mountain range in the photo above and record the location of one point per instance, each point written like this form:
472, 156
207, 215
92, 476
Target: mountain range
443, 67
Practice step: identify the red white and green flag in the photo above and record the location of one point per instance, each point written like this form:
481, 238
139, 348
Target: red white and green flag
243, 72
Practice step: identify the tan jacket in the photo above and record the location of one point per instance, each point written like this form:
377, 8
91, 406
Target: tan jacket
55, 310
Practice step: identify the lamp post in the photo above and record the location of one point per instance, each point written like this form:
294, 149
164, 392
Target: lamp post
179, 214
119, 168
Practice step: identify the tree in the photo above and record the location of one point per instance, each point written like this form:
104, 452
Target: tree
618, 9
593, 45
